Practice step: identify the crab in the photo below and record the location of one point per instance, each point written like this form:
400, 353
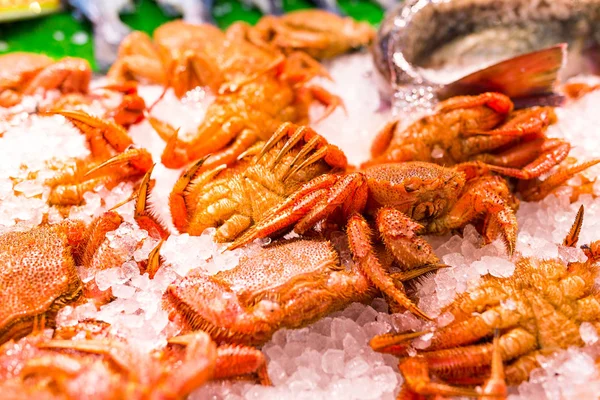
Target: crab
172, 58
476, 128
113, 159
319, 33
25, 73
233, 199
40, 275
538, 310
403, 200
288, 284
237, 120
40, 367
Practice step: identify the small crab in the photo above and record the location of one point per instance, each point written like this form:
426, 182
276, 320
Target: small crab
25, 73
40, 275
537, 311
476, 128
288, 284
113, 159
319, 33
233, 199
38, 367
405, 201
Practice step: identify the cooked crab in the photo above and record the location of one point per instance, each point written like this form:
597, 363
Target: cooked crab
250, 107
25, 73
40, 275
405, 200
288, 284
39, 367
319, 33
476, 128
113, 159
235, 198
538, 310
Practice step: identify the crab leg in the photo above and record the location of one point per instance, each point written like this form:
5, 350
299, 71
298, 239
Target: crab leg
536, 191
551, 153
242, 142
532, 121
510, 345
495, 387
97, 128
290, 211
399, 233
461, 333
143, 215
359, 238
239, 360
198, 365
68, 75
496, 101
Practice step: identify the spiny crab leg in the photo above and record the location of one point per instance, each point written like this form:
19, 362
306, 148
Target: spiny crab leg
495, 387
359, 237
233, 360
536, 191
573, 236
93, 127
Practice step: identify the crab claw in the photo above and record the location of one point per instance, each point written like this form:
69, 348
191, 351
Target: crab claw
98, 131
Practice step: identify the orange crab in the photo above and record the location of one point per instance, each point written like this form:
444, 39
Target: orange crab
235, 121
537, 310
288, 284
233, 199
406, 199
40, 274
175, 56
25, 73
476, 128
319, 33
39, 367
113, 159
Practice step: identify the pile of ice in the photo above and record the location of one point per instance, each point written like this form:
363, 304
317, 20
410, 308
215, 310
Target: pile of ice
331, 358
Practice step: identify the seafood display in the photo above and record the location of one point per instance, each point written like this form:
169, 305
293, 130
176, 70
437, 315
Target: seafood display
198, 223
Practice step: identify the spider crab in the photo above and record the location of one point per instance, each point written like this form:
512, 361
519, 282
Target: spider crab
40, 274
318, 33
537, 311
476, 128
25, 73
233, 199
288, 284
59, 368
